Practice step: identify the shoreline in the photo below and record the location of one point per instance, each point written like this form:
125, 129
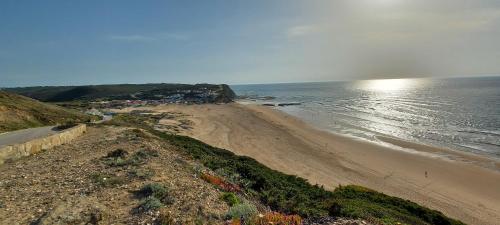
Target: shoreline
460, 189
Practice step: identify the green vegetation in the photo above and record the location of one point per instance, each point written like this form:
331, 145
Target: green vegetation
107, 180
230, 198
18, 112
119, 157
245, 211
150, 203
154, 189
294, 195
141, 173
120, 92
154, 196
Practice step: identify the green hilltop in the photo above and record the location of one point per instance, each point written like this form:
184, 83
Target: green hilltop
19, 112
218, 92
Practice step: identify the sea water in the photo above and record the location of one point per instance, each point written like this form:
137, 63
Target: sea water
457, 113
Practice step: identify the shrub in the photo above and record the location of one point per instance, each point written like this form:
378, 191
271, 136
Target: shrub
118, 157
243, 211
279, 218
294, 195
150, 203
117, 153
218, 181
107, 180
230, 198
141, 173
155, 190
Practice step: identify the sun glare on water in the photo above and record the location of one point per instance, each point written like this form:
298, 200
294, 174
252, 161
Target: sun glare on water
386, 85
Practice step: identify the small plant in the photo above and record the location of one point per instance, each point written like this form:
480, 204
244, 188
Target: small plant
244, 211
230, 198
218, 181
279, 218
118, 153
141, 173
150, 203
107, 180
154, 189
119, 157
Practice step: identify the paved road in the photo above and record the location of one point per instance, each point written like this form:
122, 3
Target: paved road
21, 136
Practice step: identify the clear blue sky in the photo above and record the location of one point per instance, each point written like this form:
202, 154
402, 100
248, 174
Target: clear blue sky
259, 41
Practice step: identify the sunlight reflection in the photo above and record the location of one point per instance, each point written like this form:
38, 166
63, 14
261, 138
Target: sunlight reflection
387, 85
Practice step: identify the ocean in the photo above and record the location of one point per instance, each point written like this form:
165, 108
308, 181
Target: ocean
457, 113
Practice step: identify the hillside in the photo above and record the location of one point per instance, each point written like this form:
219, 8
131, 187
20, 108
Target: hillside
219, 93
19, 112
122, 175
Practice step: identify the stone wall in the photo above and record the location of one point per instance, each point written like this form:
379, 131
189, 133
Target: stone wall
13, 152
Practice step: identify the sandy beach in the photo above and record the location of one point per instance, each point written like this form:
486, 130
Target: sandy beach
462, 186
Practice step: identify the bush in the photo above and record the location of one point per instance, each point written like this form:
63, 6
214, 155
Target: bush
293, 195
230, 198
107, 180
243, 211
117, 153
155, 190
150, 203
279, 218
141, 173
118, 157
219, 182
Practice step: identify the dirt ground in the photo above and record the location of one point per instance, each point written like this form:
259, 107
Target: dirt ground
73, 184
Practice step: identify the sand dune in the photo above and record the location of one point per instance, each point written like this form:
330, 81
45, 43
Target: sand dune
459, 187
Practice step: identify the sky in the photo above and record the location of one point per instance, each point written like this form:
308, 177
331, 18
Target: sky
70, 42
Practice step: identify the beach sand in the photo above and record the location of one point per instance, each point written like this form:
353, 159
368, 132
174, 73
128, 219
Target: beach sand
457, 185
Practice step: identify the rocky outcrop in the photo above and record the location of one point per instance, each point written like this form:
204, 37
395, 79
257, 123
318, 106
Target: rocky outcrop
13, 152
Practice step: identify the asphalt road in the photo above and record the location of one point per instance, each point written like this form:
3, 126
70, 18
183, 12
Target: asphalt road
21, 136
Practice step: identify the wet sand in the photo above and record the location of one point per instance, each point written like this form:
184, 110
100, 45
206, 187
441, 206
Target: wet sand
457, 185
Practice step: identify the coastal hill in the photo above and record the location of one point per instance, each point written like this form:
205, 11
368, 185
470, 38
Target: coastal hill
203, 93
19, 112
125, 172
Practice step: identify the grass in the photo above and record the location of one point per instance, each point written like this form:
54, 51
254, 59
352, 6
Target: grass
293, 195
230, 198
19, 112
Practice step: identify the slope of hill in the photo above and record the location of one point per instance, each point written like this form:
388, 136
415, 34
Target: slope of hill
220, 93
19, 112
